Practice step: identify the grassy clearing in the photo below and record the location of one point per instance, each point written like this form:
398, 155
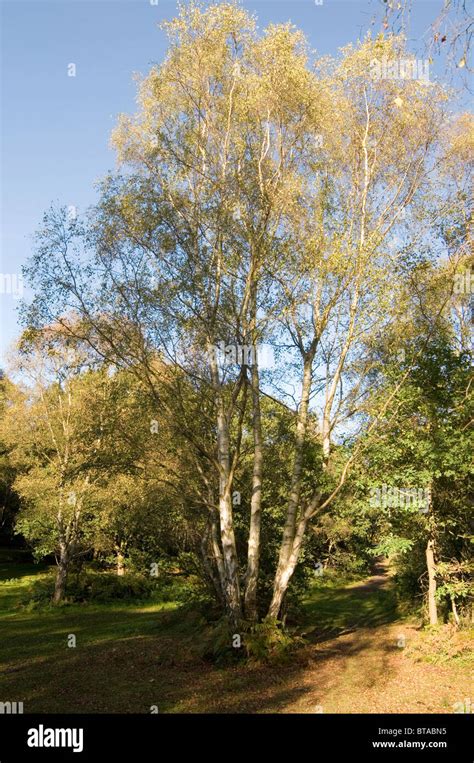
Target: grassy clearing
130, 656
335, 605
38, 667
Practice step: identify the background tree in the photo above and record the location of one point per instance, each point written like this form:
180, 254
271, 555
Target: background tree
53, 428
9, 502
427, 437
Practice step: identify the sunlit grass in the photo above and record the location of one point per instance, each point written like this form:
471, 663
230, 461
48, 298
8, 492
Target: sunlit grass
335, 604
132, 655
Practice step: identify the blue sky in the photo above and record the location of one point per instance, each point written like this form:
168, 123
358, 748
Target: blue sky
55, 128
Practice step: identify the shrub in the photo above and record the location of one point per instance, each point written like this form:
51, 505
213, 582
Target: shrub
443, 643
108, 587
91, 586
216, 643
269, 642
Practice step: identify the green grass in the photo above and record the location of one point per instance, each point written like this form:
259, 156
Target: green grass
34, 651
335, 605
131, 655
17, 572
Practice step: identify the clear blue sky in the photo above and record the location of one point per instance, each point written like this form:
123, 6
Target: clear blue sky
55, 128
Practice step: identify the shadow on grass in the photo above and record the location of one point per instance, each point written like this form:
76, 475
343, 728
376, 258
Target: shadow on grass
129, 657
332, 610
130, 673
10, 571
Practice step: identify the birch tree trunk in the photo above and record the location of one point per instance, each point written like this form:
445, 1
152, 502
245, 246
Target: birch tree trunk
229, 548
281, 583
208, 559
253, 559
120, 561
431, 567
216, 551
61, 574
287, 560
455, 611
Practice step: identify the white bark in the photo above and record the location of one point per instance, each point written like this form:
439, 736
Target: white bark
431, 567
229, 549
253, 558
286, 561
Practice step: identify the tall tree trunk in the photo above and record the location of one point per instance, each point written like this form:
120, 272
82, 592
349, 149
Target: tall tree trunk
120, 560
283, 579
253, 556
229, 552
431, 567
61, 575
208, 559
286, 561
326, 438
229, 548
455, 611
216, 550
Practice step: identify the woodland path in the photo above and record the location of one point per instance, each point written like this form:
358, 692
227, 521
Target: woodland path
132, 657
369, 665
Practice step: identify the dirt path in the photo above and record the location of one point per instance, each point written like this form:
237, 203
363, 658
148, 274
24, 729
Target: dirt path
358, 661
358, 658
372, 669
376, 582
366, 672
